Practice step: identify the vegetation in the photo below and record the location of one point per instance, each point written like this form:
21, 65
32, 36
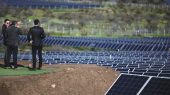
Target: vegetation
22, 71
110, 21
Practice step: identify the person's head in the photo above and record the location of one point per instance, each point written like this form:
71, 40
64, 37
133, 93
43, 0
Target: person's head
18, 24
7, 22
13, 22
36, 22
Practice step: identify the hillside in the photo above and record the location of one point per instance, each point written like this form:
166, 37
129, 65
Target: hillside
108, 21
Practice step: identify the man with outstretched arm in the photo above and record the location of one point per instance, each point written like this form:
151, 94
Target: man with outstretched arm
12, 42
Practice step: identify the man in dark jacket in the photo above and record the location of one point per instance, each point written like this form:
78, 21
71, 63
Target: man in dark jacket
12, 41
4, 27
35, 36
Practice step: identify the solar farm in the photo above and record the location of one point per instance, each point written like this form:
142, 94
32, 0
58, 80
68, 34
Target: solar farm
141, 65
109, 66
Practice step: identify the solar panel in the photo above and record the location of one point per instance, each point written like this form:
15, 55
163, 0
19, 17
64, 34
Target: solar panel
127, 85
164, 75
157, 86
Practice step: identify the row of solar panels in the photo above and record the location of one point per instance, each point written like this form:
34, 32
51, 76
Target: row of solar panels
147, 41
128, 44
124, 44
159, 70
46, 4
136, 54
127, 84
116, 57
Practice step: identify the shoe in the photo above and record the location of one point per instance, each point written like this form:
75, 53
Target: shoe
12, 67
6, 66
38, 68
15, 68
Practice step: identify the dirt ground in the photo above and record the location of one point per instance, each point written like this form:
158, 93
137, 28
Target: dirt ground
65, 80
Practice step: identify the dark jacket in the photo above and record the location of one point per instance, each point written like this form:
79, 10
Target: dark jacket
36, 34
12, 35
3, 33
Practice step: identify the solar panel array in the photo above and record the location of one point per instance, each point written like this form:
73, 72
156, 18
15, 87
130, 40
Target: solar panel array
124, 56
116, 44
139, 85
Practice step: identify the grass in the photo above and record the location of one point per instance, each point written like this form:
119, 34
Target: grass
21, 71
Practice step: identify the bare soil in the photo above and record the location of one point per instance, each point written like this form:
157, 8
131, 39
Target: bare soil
66, 79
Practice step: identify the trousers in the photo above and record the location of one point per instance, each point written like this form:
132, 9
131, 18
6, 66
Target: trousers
36, 49
11, 50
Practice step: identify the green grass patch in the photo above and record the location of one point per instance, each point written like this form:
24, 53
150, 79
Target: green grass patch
21, 71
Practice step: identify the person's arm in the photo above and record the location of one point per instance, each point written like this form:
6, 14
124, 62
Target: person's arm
20, 31
43, 34
5, 35
29, 35
3, 30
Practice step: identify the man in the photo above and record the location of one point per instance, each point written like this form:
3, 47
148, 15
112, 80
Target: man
34, 37
12, 41
4, 27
